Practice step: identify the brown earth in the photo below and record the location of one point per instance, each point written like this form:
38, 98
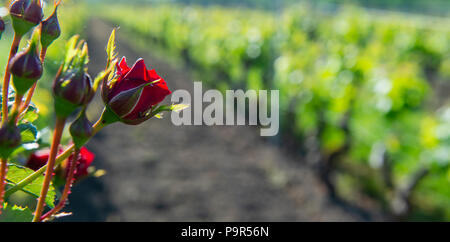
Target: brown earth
159, 172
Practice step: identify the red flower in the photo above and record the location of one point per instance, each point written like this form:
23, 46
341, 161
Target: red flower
134, 92
40, 158
84, 161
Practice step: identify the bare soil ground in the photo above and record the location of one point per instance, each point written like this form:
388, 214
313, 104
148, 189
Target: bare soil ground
159, 172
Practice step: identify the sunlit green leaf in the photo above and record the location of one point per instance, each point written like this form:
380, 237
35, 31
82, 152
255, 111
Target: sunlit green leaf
17, 173
14, 213
28, 133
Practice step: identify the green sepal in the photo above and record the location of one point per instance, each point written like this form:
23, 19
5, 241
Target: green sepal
13, 141
171, 108
64, 108
81, 130
50, 29
22, 85
6, 152
79, 141
109, 117
21, 26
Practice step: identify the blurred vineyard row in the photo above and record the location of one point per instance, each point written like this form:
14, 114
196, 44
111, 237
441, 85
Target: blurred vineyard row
363, 96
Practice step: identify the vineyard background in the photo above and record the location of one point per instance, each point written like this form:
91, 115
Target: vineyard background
365, 115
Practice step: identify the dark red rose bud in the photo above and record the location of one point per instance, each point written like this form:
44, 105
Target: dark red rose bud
26, 69
85, 159
25, 14
9, 139
2, 27
81, 130
89, 91
73, 90
134, 93
50, 30
72, 87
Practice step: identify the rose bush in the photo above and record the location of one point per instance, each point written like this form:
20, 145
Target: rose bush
131, 95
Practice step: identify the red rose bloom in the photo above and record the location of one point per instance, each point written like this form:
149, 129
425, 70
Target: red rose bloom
39, 159
134, 91
84, 161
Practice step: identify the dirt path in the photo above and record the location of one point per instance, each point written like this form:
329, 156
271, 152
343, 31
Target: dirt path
159, 172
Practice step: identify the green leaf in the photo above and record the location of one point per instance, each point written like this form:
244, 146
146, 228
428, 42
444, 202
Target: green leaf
71, 51
173, 107
15, 214
30, 115
178, 107
28, 133
103, 74
17, 173
111, 47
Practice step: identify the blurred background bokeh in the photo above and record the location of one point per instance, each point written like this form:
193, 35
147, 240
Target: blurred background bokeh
364, 110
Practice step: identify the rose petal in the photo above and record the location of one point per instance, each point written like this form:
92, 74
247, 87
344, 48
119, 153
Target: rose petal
122, 67
138, 71
153, 75
151, 96
87, 155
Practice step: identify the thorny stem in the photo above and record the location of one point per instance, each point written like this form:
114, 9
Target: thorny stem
59, 127
4, 161
69, 182
3, 170
5, 89
7, 77
63, 156
33, 88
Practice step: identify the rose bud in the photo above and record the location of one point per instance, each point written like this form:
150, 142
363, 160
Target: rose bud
72, 87
50, 30
134, 92
9, 139
25, 14
81, 130
2, 27
71, 91
26, 68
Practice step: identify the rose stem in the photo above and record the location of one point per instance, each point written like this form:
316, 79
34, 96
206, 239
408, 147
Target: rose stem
3, 170
4, 162
97, 127
7, 77
59, 127
69, 181
33, 88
